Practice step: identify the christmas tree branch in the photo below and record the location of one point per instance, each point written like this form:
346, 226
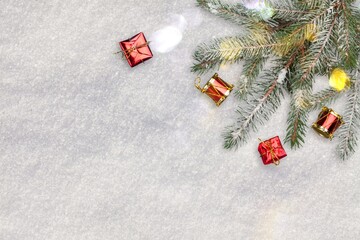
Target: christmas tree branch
347, 35
297, 119
230, 50
289, 10
316, 53
348, 134
251, 70
299, 31
346, 32
205, 65
264, 101
322, 98
236, 13
298, 115
311, 4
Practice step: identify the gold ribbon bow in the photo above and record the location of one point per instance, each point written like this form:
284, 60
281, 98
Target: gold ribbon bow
134, 48
128, 51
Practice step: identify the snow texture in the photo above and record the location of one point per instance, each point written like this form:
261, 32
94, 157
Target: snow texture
93, 149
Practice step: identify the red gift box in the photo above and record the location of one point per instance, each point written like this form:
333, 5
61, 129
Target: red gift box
136, 49
271, 151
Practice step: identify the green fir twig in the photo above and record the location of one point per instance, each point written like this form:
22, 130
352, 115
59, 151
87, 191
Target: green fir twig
348, 134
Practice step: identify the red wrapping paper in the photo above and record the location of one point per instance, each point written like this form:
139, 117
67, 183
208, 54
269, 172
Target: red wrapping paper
136, 49
217, 89
271, 151
328, 122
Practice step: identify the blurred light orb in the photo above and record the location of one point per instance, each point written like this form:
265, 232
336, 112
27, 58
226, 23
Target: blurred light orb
193, 17
255, 4
178, 21
165, 39
263, 8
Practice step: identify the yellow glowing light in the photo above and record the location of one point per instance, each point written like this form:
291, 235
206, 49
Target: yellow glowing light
339, 80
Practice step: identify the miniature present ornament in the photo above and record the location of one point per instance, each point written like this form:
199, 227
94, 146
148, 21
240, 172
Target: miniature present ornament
136, 49
327, 123
216, 88
271, 151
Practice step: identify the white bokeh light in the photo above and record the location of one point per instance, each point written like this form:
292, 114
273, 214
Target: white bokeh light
165, 39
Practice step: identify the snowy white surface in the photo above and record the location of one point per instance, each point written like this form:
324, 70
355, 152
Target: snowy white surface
92, 149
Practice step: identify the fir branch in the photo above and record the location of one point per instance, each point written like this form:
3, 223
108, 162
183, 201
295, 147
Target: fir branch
297, 119
235, 13
290, 10
230, 50
297, 33
346, 52
311, 4
315, 53
265, 99
293, 13
251, 70
346, 29
298, 115
205, 65
348, 134
323, 98
293, 38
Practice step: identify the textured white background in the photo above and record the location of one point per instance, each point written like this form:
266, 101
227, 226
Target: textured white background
92, 149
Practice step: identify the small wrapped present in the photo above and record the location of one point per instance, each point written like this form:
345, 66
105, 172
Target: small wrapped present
327, 123
271, 151
136, 49
216, 88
